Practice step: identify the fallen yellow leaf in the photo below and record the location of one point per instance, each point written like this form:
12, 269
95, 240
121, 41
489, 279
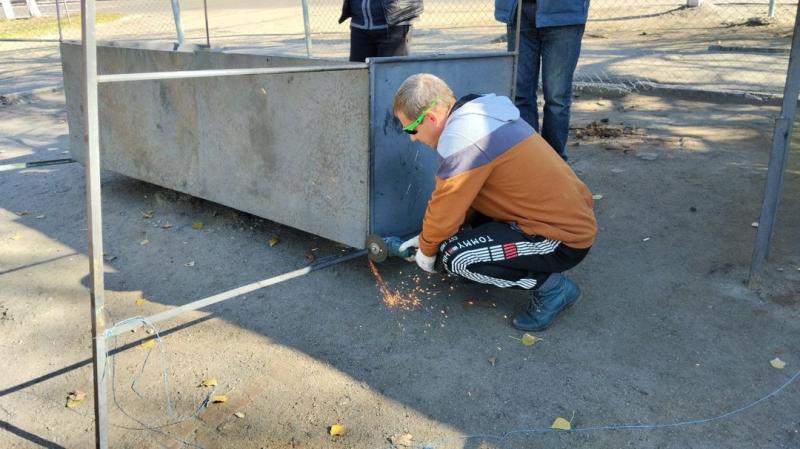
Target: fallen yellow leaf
210, 382
777, 363
273, 241
139, 301
166, 226
561, 424
219, 398
197, 225
75, 398
149, 344
338, 429
148, 214
528, 339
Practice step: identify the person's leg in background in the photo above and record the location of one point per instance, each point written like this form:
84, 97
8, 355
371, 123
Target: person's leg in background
500, 254
560, 49
393, 41
528, 65
362, 44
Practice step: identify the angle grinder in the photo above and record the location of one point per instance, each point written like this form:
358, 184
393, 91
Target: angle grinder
380, 248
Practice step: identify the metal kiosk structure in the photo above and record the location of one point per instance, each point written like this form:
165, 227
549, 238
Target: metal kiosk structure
158, 108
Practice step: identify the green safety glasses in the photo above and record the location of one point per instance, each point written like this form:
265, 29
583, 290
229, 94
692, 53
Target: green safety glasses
412, 127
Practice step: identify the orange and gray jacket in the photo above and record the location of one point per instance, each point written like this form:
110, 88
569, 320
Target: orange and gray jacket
494, 163
395, 11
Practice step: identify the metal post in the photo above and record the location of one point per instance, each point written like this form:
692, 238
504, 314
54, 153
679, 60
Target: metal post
91, 140
778, 156
8, 10
176, 12
66, 10
205, 13
307, 26
516, 52
58, 19
771, 9
33, 8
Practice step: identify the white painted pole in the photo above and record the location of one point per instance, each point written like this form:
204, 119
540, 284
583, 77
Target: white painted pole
33, 8
8, 10
91, 141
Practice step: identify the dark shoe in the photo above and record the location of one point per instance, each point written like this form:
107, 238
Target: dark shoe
545, 306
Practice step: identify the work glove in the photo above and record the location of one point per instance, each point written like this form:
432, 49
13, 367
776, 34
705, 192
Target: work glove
423, 261
410, 243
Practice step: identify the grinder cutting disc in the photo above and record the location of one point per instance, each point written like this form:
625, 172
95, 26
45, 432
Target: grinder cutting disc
377, 250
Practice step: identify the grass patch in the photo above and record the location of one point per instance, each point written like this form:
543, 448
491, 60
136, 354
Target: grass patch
39, 26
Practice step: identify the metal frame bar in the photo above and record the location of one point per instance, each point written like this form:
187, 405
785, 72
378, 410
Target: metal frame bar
183, 74
778, 157
176, 13
94, 219
244, 289
205, 14
306, 26
58, 20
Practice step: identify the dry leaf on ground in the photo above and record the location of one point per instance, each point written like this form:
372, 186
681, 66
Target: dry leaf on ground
273, 241
529, 340
219, 398
166, 226
402, 439
74, 398
148, 214
210, 382
337, 429
139, 301
239, 415
777, 363
144, 242
197, 225
149, 344
561, 424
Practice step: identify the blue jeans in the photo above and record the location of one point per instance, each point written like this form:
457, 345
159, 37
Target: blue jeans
554, 50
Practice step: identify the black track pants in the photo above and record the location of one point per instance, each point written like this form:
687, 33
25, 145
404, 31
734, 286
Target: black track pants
500, 254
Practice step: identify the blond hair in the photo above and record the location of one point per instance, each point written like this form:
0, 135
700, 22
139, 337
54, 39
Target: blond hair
418, 92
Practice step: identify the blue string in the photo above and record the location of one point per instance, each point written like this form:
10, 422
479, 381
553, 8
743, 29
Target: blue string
506, 435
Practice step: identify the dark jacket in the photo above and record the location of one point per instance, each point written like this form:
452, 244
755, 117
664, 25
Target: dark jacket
549, 13
397, 11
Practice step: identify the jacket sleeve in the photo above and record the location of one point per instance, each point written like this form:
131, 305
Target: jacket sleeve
450, 201
504, 10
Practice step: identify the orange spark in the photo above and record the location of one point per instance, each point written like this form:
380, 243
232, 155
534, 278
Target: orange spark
394, 299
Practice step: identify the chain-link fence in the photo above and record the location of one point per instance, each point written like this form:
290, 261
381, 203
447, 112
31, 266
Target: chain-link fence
729, 45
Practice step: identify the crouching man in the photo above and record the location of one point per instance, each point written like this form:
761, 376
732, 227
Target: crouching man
506, 210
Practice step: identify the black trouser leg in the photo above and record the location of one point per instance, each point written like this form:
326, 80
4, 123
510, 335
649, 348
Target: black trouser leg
392, 41
500, 254
362, 45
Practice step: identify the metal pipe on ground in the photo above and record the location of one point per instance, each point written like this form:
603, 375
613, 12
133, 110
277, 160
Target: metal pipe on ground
24, 165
